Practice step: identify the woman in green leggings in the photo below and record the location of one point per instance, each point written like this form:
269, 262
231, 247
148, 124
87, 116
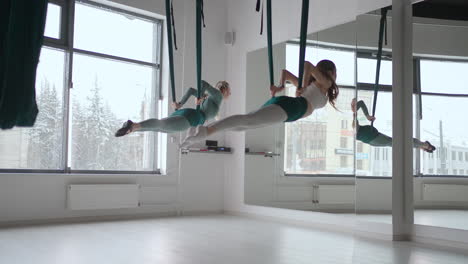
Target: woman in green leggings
371, 136
183, 119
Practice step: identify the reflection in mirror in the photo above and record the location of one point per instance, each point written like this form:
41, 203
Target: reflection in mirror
307, 164
441, 67
373, 123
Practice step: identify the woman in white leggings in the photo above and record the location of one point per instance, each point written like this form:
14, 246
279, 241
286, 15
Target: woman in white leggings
319, 87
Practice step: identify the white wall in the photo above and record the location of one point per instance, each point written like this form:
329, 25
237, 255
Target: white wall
43, 196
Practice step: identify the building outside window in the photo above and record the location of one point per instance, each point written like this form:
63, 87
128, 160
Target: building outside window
343, 161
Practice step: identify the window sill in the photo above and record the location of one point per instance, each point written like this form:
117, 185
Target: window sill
80, 173
187, 151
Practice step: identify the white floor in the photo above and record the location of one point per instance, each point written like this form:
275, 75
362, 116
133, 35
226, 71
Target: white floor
457, 219
207, 239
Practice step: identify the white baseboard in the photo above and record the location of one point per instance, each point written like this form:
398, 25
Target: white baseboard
449, 238
84, 219
322, 226
439, 244
202, 213
103, 218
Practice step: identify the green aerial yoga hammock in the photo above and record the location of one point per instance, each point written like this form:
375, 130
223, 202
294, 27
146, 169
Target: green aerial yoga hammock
302, 41
382, 30
269, 37
198, 22
200, 18
170, 30
303, 38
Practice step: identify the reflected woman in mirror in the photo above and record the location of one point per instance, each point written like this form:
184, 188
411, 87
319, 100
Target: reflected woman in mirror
186, 118
319, 87
370, 135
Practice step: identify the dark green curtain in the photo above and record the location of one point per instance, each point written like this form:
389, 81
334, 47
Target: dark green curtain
22, 25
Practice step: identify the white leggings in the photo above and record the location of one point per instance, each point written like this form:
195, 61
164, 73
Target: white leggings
265, 116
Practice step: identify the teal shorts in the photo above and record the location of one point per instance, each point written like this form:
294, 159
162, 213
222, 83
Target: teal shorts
295, 107
366, 133
194, 117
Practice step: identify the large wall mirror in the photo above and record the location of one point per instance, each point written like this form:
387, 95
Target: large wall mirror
316, 163
440, 50
307, 164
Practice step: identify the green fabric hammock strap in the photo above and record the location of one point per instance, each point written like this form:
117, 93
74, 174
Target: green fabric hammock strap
303, 40
198, 24
382, 32
170, 31
269, 36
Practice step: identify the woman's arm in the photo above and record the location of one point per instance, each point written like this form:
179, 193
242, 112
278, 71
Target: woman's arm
210, 90
286, 77
354, 120
214, 94
362, 105
190, 92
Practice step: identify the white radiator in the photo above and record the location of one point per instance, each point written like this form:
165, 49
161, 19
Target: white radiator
295, 194
335, 194
102, 196
445, 192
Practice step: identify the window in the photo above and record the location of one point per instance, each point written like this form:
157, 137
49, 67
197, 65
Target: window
343, 142
53, 21
325, 125
384, 124
436, 125
343, 59
115, 77
431, 171
446, 132
431, 84
125, 35
40, 147
366, 71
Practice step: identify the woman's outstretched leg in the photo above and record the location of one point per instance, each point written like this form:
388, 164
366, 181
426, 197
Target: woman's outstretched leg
166, 125
265, 116
383, 140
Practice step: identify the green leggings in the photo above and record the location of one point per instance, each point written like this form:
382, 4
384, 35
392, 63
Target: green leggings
178, 121
383, 140
166, 125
